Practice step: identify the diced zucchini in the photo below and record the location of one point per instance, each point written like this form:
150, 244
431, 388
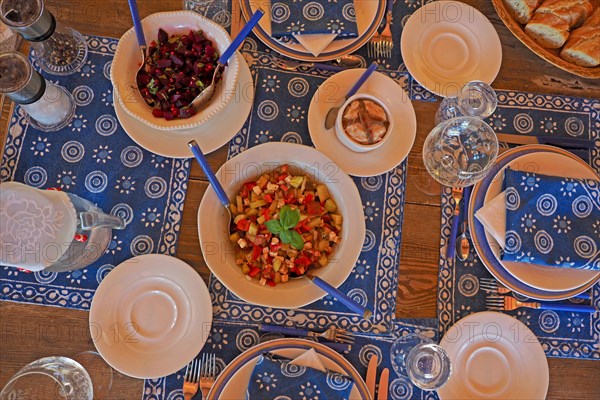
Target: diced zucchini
296, 181
234, 237
315, 222
233, 209
337, 219
322, 192
253, 229
238, 218
330, 205
245, 269
261, 220
253, 196
322, 245
323, 260
303, 217
277, 277
257, 203
252, 211
276, 264
262, 181
239, 203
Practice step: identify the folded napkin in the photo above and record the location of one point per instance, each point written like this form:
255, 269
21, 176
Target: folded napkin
552, 221
314, 24
493, 217
277, 377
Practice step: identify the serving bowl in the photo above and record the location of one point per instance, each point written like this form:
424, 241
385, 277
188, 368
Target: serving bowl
220, 253
127, 57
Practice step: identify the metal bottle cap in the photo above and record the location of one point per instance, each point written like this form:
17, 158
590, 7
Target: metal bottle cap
21, 83
28, 18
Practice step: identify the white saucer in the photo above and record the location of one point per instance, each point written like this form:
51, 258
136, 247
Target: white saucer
210, 136
494, 356
150, 316
446, 44
552, 279
375, 162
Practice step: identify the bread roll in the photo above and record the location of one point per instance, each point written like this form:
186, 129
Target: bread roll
548, 30
574, 12
583, 47
522, 10
594, 19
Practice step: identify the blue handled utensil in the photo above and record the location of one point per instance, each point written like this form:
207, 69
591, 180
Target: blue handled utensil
345, 300
204, 97
212, 178
333, 111
457, 194
139, 34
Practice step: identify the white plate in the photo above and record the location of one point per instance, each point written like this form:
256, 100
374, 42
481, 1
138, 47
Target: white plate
369, 14
150, 316
331, 93
494, 356
446, 44
542, 277
232, 382
210, 136
213, 230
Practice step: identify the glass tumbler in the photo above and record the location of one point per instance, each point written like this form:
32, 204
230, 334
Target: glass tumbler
59, 50
475, 99
49, 378
49, 107
425, 363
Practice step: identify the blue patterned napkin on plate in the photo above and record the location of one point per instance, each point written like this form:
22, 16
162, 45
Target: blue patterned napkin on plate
276, 377
551, 220
311, 17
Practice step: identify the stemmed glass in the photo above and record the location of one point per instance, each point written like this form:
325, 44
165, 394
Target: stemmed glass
475, 99
425, 363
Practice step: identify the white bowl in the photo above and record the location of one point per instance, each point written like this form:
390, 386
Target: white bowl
213, 229
343, 136
127, 57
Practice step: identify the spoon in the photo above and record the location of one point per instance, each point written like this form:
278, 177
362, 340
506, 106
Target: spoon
333, 111
212, 178
337, 294
139, 33
204, 97
464, 247
349, 61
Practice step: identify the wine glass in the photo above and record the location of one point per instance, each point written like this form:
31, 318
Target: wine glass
460, 151
475, 99
49, 378
425, 363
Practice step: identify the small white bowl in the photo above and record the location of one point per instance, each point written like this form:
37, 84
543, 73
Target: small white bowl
127, 57
343, 136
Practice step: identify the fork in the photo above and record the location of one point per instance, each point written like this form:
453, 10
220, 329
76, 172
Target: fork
209, 373
491, 285
457, 193
190, 379
292, 65
333, 333
386, 43
509, 303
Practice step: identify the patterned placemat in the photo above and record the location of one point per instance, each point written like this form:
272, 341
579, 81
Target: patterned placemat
228, 340
562, 333
95, 159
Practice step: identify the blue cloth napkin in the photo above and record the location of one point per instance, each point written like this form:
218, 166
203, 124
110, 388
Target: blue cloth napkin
274, 377
311, 17
552, 221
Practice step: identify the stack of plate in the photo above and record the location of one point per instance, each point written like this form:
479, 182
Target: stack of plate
369, 14
534, 281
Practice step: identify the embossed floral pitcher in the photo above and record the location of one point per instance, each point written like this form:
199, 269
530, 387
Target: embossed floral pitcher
51, 230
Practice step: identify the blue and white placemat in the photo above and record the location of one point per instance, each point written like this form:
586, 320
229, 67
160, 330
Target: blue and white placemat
95, 159
280, 114
562, 334
228, 340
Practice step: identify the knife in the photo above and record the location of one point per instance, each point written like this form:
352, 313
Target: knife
382, 392
372, 375
573, 143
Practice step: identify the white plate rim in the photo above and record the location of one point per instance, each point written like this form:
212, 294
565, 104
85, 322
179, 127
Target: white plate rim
302, 292
502, 324
395, 149
211, 136
103, 337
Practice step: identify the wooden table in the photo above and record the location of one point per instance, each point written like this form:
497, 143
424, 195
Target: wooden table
28, 332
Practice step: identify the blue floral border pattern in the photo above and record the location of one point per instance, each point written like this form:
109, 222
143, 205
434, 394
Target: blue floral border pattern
228, 340
562, 334
75, 289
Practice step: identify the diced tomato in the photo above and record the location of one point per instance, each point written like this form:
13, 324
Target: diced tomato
275, 247
326, 218
253, 271
302, 261
268, 198
256, 251
303, 225
283, 187
260, 240
265, 213
243, 225
308, 198
284, 168
282, 177
313, 208
271, 282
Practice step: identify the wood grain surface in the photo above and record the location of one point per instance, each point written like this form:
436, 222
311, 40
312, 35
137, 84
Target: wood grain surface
28, 332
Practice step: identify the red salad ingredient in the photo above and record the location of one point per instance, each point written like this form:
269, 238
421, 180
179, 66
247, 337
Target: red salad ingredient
178, 69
